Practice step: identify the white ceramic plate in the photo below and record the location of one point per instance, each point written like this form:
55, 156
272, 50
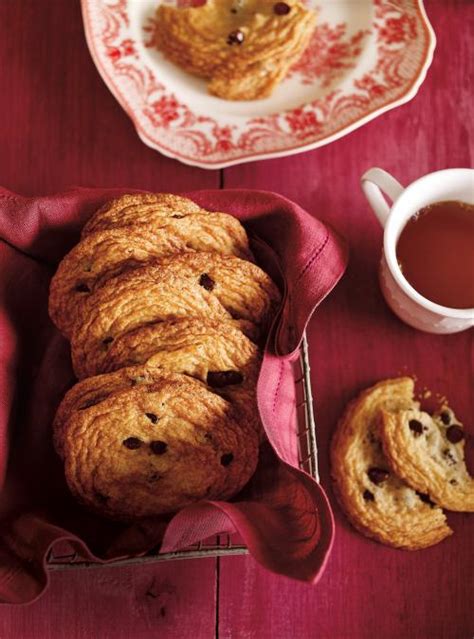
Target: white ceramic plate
366, 56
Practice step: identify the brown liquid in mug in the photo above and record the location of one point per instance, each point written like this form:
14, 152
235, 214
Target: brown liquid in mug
435, 252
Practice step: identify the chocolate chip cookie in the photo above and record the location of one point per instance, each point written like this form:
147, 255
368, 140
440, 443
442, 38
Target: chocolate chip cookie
140, 208
243, 47
376, 500
157, 295
97, 258
243, 288
149, 451
428, 453
132, 300
105, 254
199, 285
217, 353
93, 390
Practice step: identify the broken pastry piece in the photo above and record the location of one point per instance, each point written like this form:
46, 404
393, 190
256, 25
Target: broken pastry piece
428, 453
244, 48
377, 501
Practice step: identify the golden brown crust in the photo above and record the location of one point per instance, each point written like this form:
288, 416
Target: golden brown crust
158, 282
199, 285
213, 352
105, 254
216, 353
243, 288
140, 208
133, 300
201, 40
377, 502
149, 451
97, 258
419, 450
93, 390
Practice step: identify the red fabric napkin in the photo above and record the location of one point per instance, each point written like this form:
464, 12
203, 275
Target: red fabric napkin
282, 514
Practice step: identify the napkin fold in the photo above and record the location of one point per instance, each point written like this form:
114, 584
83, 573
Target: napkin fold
282, 515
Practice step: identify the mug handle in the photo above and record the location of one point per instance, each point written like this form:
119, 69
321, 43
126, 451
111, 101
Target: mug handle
374, 183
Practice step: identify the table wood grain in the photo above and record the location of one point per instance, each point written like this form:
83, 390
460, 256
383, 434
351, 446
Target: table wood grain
60, 126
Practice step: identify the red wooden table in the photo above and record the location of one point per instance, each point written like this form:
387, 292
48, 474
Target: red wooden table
59, 127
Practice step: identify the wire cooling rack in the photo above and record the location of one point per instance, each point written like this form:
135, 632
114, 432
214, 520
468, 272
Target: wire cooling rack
222, 545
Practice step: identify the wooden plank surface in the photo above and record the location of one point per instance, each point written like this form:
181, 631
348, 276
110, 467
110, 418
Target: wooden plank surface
60, 127
369, 590
171, 600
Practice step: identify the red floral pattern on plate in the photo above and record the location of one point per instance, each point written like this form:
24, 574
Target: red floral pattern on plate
330, 53
401, 44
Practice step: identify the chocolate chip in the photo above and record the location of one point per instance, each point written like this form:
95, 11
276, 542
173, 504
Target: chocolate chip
453, 482
368, 496
233, 10
445, 417
235, 37
152, 417
447, 453
82, 288
378, 475
210, 441
426, 499
206, 282
372, 439
100, 497
219, 379
177, 217
158, 447
227, 459
415, 426
281, 8
455, 434
132, 443
107, 340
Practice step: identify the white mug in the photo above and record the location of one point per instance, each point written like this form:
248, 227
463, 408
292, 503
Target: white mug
403, 299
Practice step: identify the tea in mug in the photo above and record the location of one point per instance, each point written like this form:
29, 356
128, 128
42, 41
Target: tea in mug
435, 252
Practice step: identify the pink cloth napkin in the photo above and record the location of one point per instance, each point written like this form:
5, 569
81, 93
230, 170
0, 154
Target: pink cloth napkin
282, 515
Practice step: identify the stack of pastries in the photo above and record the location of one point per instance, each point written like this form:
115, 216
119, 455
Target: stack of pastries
166, 313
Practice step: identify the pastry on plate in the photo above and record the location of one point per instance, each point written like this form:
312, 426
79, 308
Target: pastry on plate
428, 453
244, 48
153, 450
377, 502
